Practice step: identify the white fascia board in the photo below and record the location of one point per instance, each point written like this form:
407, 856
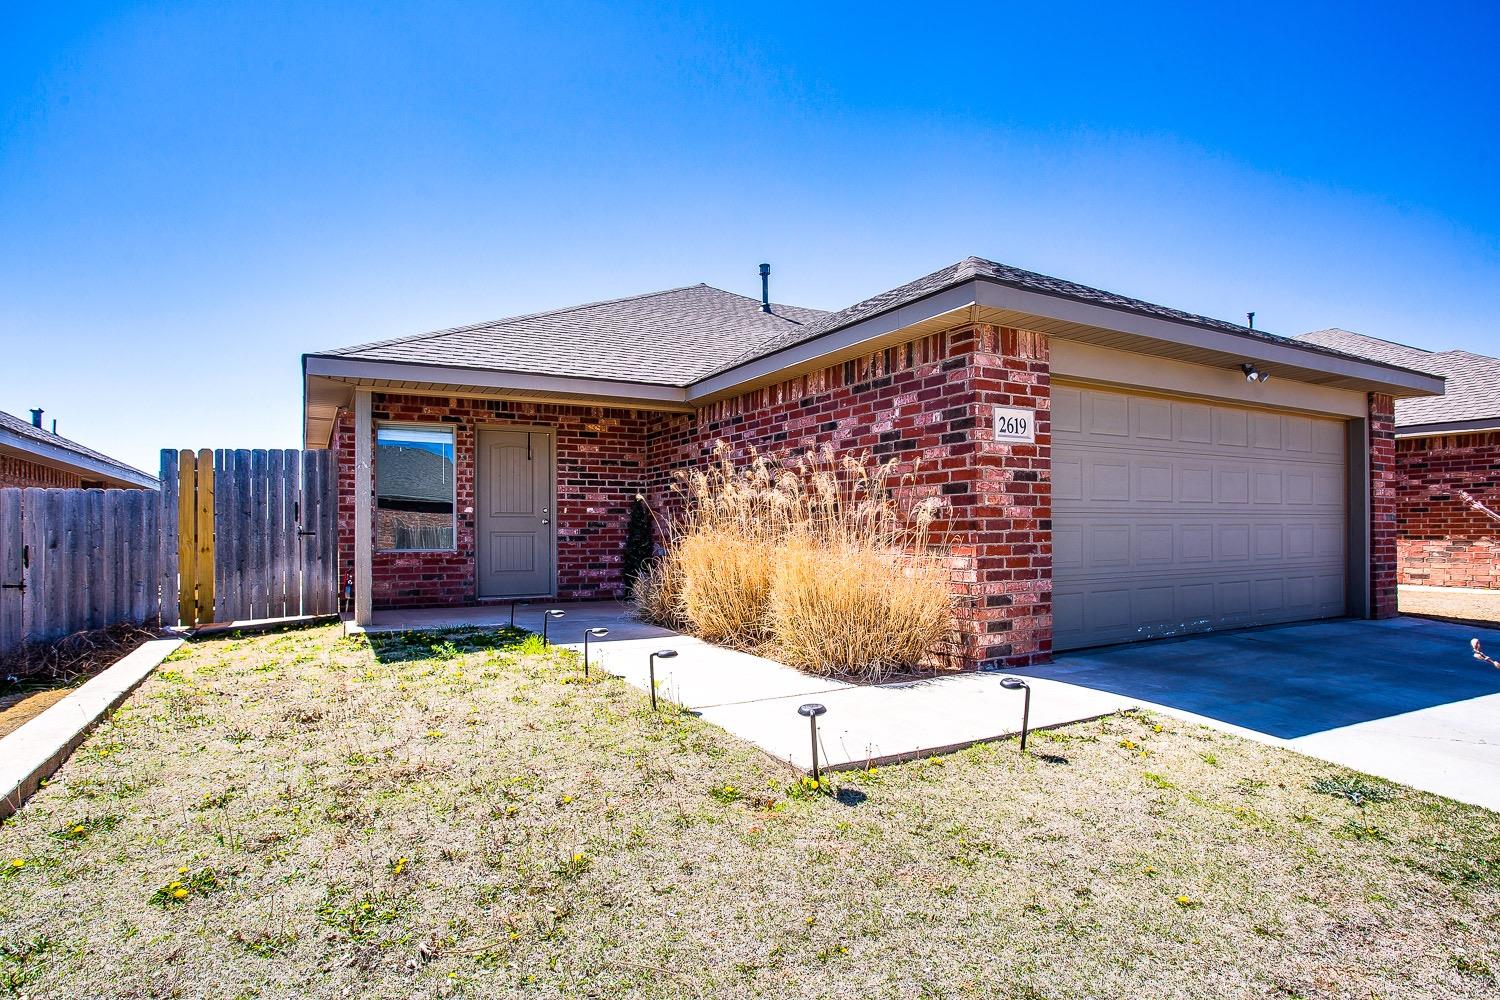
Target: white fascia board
89, 468
483, 378
998, 296
920, 311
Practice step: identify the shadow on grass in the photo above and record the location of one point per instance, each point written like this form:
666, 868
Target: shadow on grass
850, 797
438, 644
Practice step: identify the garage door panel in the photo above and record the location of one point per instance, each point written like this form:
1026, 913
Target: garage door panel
1195, 517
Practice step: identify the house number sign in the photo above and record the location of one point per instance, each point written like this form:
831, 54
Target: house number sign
1015, 424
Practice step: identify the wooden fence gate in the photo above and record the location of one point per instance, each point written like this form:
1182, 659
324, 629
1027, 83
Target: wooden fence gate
249, 534
76, 559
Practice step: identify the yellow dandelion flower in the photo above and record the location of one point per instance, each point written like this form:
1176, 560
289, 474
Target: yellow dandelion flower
18, 863
566, 799
180, 894
1184, 901
182, 870
78, 828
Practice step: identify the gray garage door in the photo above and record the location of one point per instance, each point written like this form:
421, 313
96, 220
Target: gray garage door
1173, 516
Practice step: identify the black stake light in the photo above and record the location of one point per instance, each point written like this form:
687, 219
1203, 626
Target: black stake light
1016, 684
590, 633
812, 710
546, 617
512, 614
665, 654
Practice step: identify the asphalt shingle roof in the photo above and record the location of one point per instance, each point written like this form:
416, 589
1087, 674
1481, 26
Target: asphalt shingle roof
683, 335
673, 337
1473, 386
24, 428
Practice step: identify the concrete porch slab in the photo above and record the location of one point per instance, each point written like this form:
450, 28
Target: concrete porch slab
756, 698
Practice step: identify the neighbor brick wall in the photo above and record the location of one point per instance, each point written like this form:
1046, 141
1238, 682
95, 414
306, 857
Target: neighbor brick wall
19, 472
1443, 539
927, 405
600, 468
1383, 506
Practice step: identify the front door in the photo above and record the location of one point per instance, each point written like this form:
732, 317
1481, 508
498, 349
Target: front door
515, 518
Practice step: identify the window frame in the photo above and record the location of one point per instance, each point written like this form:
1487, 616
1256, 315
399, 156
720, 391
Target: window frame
423, 425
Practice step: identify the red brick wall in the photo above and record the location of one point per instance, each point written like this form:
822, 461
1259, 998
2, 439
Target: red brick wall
19, 472
1383, 512
600, 468
1444, 540
928, 405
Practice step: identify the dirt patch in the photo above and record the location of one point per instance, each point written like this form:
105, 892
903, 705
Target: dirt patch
1458, 605
18, 709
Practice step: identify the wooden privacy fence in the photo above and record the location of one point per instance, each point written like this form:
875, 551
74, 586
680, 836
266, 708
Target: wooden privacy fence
252, 533
72, 560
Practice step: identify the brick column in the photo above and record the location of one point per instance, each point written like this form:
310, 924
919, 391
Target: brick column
1383, 528
1005, 515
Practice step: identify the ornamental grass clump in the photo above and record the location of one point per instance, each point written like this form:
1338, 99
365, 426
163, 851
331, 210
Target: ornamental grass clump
824, 561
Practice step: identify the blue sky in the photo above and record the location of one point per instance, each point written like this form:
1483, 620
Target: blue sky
193, 195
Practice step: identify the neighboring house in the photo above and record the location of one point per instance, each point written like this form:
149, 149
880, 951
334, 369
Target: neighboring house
32, 456
1448, 464
1112, 470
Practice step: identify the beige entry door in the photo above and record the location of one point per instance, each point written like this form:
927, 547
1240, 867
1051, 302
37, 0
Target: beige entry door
516, 521
1174, 516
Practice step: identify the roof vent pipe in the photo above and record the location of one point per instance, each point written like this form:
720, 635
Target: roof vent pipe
36, 417
1251, 317
765, 288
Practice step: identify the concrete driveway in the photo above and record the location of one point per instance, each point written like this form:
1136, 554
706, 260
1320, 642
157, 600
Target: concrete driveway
1402, 699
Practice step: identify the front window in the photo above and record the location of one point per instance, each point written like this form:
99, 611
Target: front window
413, 489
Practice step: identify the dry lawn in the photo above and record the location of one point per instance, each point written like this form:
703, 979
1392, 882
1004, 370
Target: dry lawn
301, 815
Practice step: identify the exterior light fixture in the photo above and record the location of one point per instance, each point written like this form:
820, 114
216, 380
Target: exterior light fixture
811, 711
665, 654
1253, 374
547, 616
1016, 684
512, 614
590, 633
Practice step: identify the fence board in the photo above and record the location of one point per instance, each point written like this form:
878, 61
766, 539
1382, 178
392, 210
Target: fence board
203, 544
12, 569
287, 547
259, 553
166, 589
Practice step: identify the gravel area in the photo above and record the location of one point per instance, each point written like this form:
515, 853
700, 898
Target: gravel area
304, 815
1462, 605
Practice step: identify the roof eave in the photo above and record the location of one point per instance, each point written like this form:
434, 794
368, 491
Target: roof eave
329, 381
988, 300
1440, 428
59, 457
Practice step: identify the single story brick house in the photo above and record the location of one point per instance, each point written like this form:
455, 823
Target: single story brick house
1447, 464
32, 456
1114, 470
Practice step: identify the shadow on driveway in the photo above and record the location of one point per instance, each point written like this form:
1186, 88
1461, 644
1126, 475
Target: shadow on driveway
1295, 680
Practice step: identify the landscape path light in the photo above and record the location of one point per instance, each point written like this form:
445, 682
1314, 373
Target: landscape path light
665, 654
547, 616
812, 710
1016, 684
590, 633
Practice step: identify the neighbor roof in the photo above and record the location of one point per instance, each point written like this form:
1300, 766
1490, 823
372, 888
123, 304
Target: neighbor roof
53, 449
673, 337
1473, 380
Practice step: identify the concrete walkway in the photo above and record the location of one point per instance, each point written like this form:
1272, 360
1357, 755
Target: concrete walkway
1402, 699
756, 699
